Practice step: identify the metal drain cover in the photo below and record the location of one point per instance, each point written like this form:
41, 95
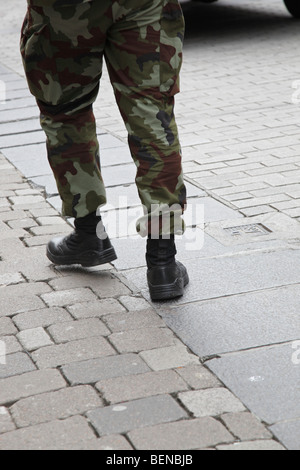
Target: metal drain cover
251, 229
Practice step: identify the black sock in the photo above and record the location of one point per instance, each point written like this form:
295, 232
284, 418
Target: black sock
88, 224
160, 252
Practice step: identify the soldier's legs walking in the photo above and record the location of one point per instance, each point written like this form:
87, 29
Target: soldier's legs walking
63, 47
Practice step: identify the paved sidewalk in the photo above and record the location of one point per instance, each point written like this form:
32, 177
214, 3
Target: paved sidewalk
91, 362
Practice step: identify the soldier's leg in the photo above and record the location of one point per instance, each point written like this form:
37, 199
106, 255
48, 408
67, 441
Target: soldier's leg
62, 50
144, 57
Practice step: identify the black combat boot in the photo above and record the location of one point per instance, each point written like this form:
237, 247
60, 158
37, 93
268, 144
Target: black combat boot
166, 277
83, 246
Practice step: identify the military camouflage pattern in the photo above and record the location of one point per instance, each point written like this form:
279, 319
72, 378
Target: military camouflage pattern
63, 45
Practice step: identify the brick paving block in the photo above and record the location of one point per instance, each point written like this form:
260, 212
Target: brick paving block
12, 215
55, 435
134, 303
11, 278
7, 327
6, 422
41, 318
182, 435
37, 241
22, 223
17, 363
50, 220
22, 297
253, 445
12, 345
110, 288
95, 309
198, 377
34, 338
74, 351
103, 283
50, 406
25, 200
211, 402
68, 297
246, 426
142, 339
50, 230
47, 212
28, 192
70, 331
118, 419
133, 320
169, 358
94, 370
141, 386
28, 384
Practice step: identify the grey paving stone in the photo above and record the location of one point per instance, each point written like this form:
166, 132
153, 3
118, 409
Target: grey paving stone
134, 303
141, 386
20, 126
21, 298
265, 379
50, 406
210, 402
288, 433
6, 422
28, 384
135, 415
142, 339
246, 426
103, 283
24, 200
47, 182
95, 309
41, 318
22, 139
34, 338
95, 370
182, 435
11, 278
169, 358
198, 377
17, 363
7, 327
120, 322
111, 157
118, 175
50, 230
71, 331
12, 345
233, 274
73, 351
56, 435
251, 320
68, 297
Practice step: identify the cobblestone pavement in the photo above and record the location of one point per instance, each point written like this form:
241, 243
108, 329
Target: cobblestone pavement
90, 362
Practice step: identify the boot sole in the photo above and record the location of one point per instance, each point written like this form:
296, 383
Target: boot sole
169, 291
87, 259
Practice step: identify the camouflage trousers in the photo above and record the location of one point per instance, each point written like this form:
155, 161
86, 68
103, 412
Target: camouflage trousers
63, 45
